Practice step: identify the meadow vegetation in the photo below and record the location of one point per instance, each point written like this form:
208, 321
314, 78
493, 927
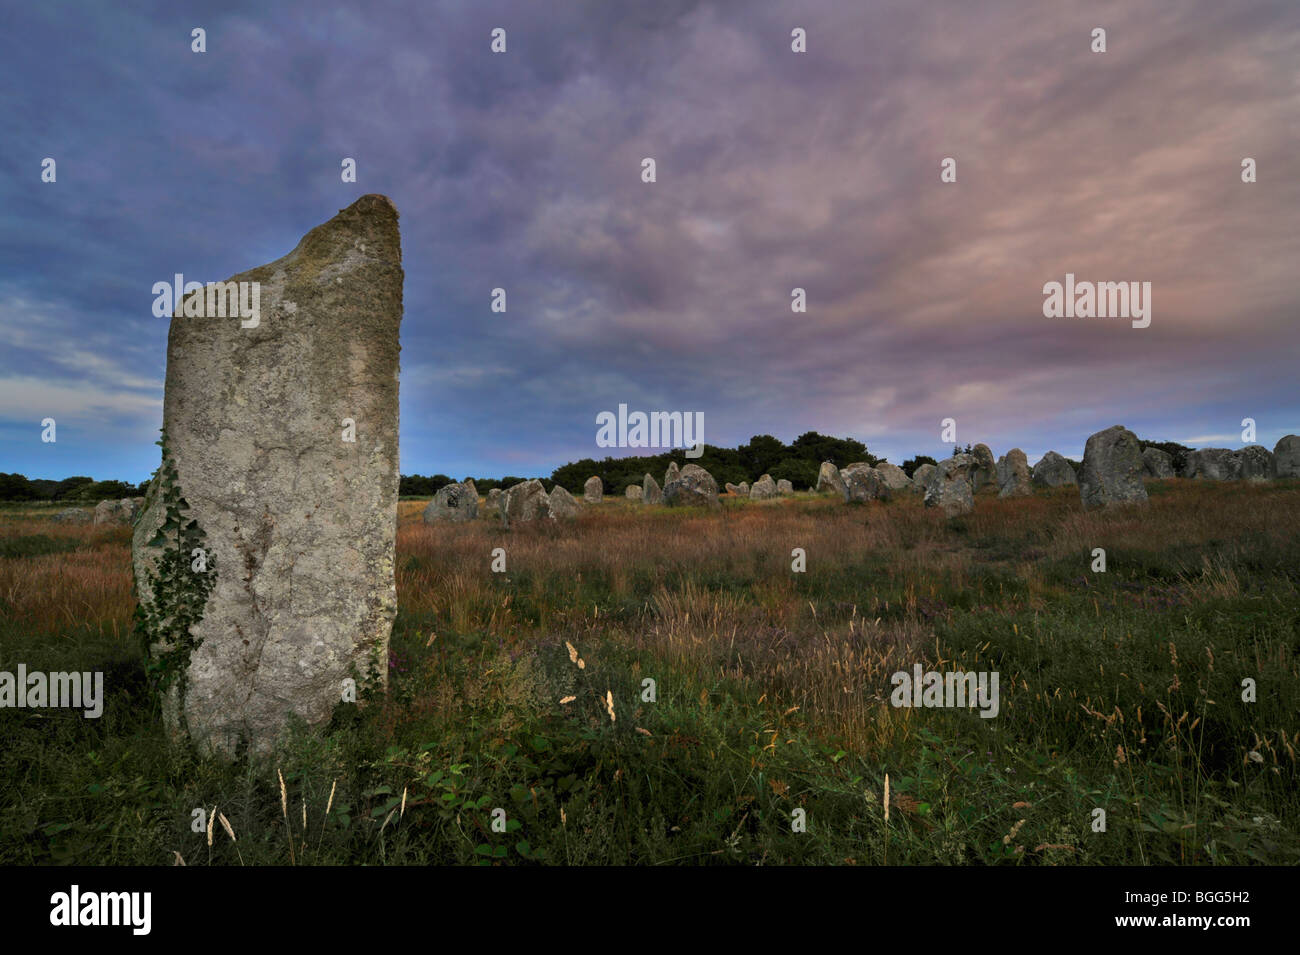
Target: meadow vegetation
1120, 691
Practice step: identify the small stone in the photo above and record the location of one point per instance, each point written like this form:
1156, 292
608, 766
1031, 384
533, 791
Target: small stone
453, 502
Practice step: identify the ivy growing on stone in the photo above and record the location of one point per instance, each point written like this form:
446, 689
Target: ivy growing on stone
178, 585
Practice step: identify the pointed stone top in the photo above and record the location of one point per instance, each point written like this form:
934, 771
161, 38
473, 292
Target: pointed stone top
373, 202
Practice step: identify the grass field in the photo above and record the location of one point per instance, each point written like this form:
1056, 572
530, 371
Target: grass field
1120, 691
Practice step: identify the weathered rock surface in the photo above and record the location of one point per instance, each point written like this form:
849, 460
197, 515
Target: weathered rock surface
829, 480
1286, 457
651, 493
921, 477
744, 488
116, 512
894, 476
561, 504
693, 487
671, 474
469, 486
1054, 471
984, 469
733, 488
1213, 464
1157, 463
493, 500
300, 520
1254, 463
949, 485
634, 492
1112, 469
453, 502
1013, 472
764, 489
864, 483
594, 490
525, 501
784, 487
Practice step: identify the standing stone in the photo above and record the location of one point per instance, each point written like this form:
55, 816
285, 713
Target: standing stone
283, 436
1054, 471
493, 501
744, 488
864, 483
116, 512
784, 487
893, 476
1286, 457
525, 501
985, 469
1014, 469
950, 486
1112, 469
453, 502
473, 491
694, 487
650, 492
764, 489
671, 474
732, 488
1157, 463
593, 491
1254, 462
921, 477
829, 479
562, 504
634, 492
1212, 464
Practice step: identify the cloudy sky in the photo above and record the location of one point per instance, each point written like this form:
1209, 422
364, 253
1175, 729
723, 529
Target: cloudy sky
775, 170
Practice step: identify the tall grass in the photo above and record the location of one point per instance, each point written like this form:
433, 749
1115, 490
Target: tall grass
1120, 691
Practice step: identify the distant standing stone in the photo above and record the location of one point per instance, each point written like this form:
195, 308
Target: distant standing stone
764, 489
561, 504
784, 487
1015, 468
1254, 463
493, 501
1286, 457
921, 476
894, 476
1212, 464
74, 515
453, 502
634, 492
671, 474
1054, 471
1157, 463
116, 512
984, 470
950, 486
694, 487
650, 491
829, 480
525, 501
865, 483
1112, 469
593, 491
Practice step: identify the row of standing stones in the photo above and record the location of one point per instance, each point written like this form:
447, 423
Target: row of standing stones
1114, 467
300, 528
